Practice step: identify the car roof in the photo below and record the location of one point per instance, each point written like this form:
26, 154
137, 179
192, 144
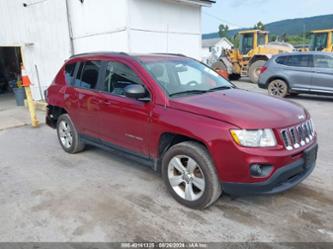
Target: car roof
305, 53
140, 56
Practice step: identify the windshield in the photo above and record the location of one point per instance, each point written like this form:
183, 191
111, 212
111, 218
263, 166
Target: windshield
246, 43
318, 41
185, 76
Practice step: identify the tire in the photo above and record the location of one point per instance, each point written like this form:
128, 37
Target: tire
254, 70
68, 136
234, 76
278, 88
219, 66
199, 187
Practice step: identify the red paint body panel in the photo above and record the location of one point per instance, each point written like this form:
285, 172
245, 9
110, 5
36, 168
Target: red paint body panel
208, 118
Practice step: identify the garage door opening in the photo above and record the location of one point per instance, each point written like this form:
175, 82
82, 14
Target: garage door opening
10, 72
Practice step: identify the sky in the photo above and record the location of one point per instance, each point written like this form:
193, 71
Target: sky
246, 13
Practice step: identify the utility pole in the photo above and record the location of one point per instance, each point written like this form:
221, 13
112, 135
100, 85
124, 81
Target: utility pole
70, 28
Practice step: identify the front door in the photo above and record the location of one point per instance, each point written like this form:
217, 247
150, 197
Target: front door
124, 121
322, 79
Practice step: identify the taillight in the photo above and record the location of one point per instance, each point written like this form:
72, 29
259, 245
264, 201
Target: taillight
263, 69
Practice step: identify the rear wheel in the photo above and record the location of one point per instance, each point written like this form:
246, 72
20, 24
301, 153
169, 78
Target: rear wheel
219, 66
190, 175
278, 88
254, 70
68, 136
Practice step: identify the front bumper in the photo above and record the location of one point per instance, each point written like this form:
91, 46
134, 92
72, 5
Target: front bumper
283, 179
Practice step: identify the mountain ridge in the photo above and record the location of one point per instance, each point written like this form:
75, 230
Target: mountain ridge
295, 26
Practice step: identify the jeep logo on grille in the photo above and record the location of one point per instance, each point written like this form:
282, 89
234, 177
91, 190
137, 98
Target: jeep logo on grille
301, 117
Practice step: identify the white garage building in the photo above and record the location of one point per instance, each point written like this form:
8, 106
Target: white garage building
46, 32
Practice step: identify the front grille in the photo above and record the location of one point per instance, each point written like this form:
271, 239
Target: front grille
297, 136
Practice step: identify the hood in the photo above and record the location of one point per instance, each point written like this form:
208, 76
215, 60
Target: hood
242, 108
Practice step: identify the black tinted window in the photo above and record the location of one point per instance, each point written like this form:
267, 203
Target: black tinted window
319, 41
323, 61
295, 60
117, 77
77, 79
69, 73
246, 43
87, 75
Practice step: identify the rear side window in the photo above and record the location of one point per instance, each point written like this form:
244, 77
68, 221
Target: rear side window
295, 60
69, 73
87, 75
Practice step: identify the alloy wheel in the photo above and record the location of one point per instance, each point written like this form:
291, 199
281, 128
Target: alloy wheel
65, 134
186, 177
278, 88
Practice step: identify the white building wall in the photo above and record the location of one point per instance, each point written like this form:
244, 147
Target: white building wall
164, 26
42, 30
99, 25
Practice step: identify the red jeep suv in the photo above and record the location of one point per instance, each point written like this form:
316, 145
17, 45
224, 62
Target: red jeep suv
173, 113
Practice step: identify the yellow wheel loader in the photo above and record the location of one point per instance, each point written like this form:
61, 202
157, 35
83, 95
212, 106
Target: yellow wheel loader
254, 50
322, 40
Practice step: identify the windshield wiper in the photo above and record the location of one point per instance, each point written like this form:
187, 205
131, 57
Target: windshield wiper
220, 88
189, 92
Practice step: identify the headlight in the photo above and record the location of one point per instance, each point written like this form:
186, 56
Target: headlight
254, 138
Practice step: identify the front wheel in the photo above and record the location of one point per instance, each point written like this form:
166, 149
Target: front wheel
190, 175
278, 88
254, 70
219, 65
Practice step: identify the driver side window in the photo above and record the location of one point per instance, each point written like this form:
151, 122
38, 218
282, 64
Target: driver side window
117, 77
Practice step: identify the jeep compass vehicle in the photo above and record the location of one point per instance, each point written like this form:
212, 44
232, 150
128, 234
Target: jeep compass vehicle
203, 134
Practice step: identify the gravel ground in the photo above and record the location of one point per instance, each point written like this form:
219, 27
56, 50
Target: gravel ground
48, 195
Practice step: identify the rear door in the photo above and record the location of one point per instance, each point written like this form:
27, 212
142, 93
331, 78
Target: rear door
298, 70
87, 97
323, 77
70, 94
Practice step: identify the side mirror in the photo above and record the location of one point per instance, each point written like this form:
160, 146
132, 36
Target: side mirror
136, 91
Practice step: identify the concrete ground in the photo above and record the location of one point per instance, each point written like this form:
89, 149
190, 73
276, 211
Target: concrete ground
12, 116
48, 195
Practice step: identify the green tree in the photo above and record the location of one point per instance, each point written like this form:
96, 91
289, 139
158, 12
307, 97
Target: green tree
273, 38
259, 26
223, 30
298, 40
235, 40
